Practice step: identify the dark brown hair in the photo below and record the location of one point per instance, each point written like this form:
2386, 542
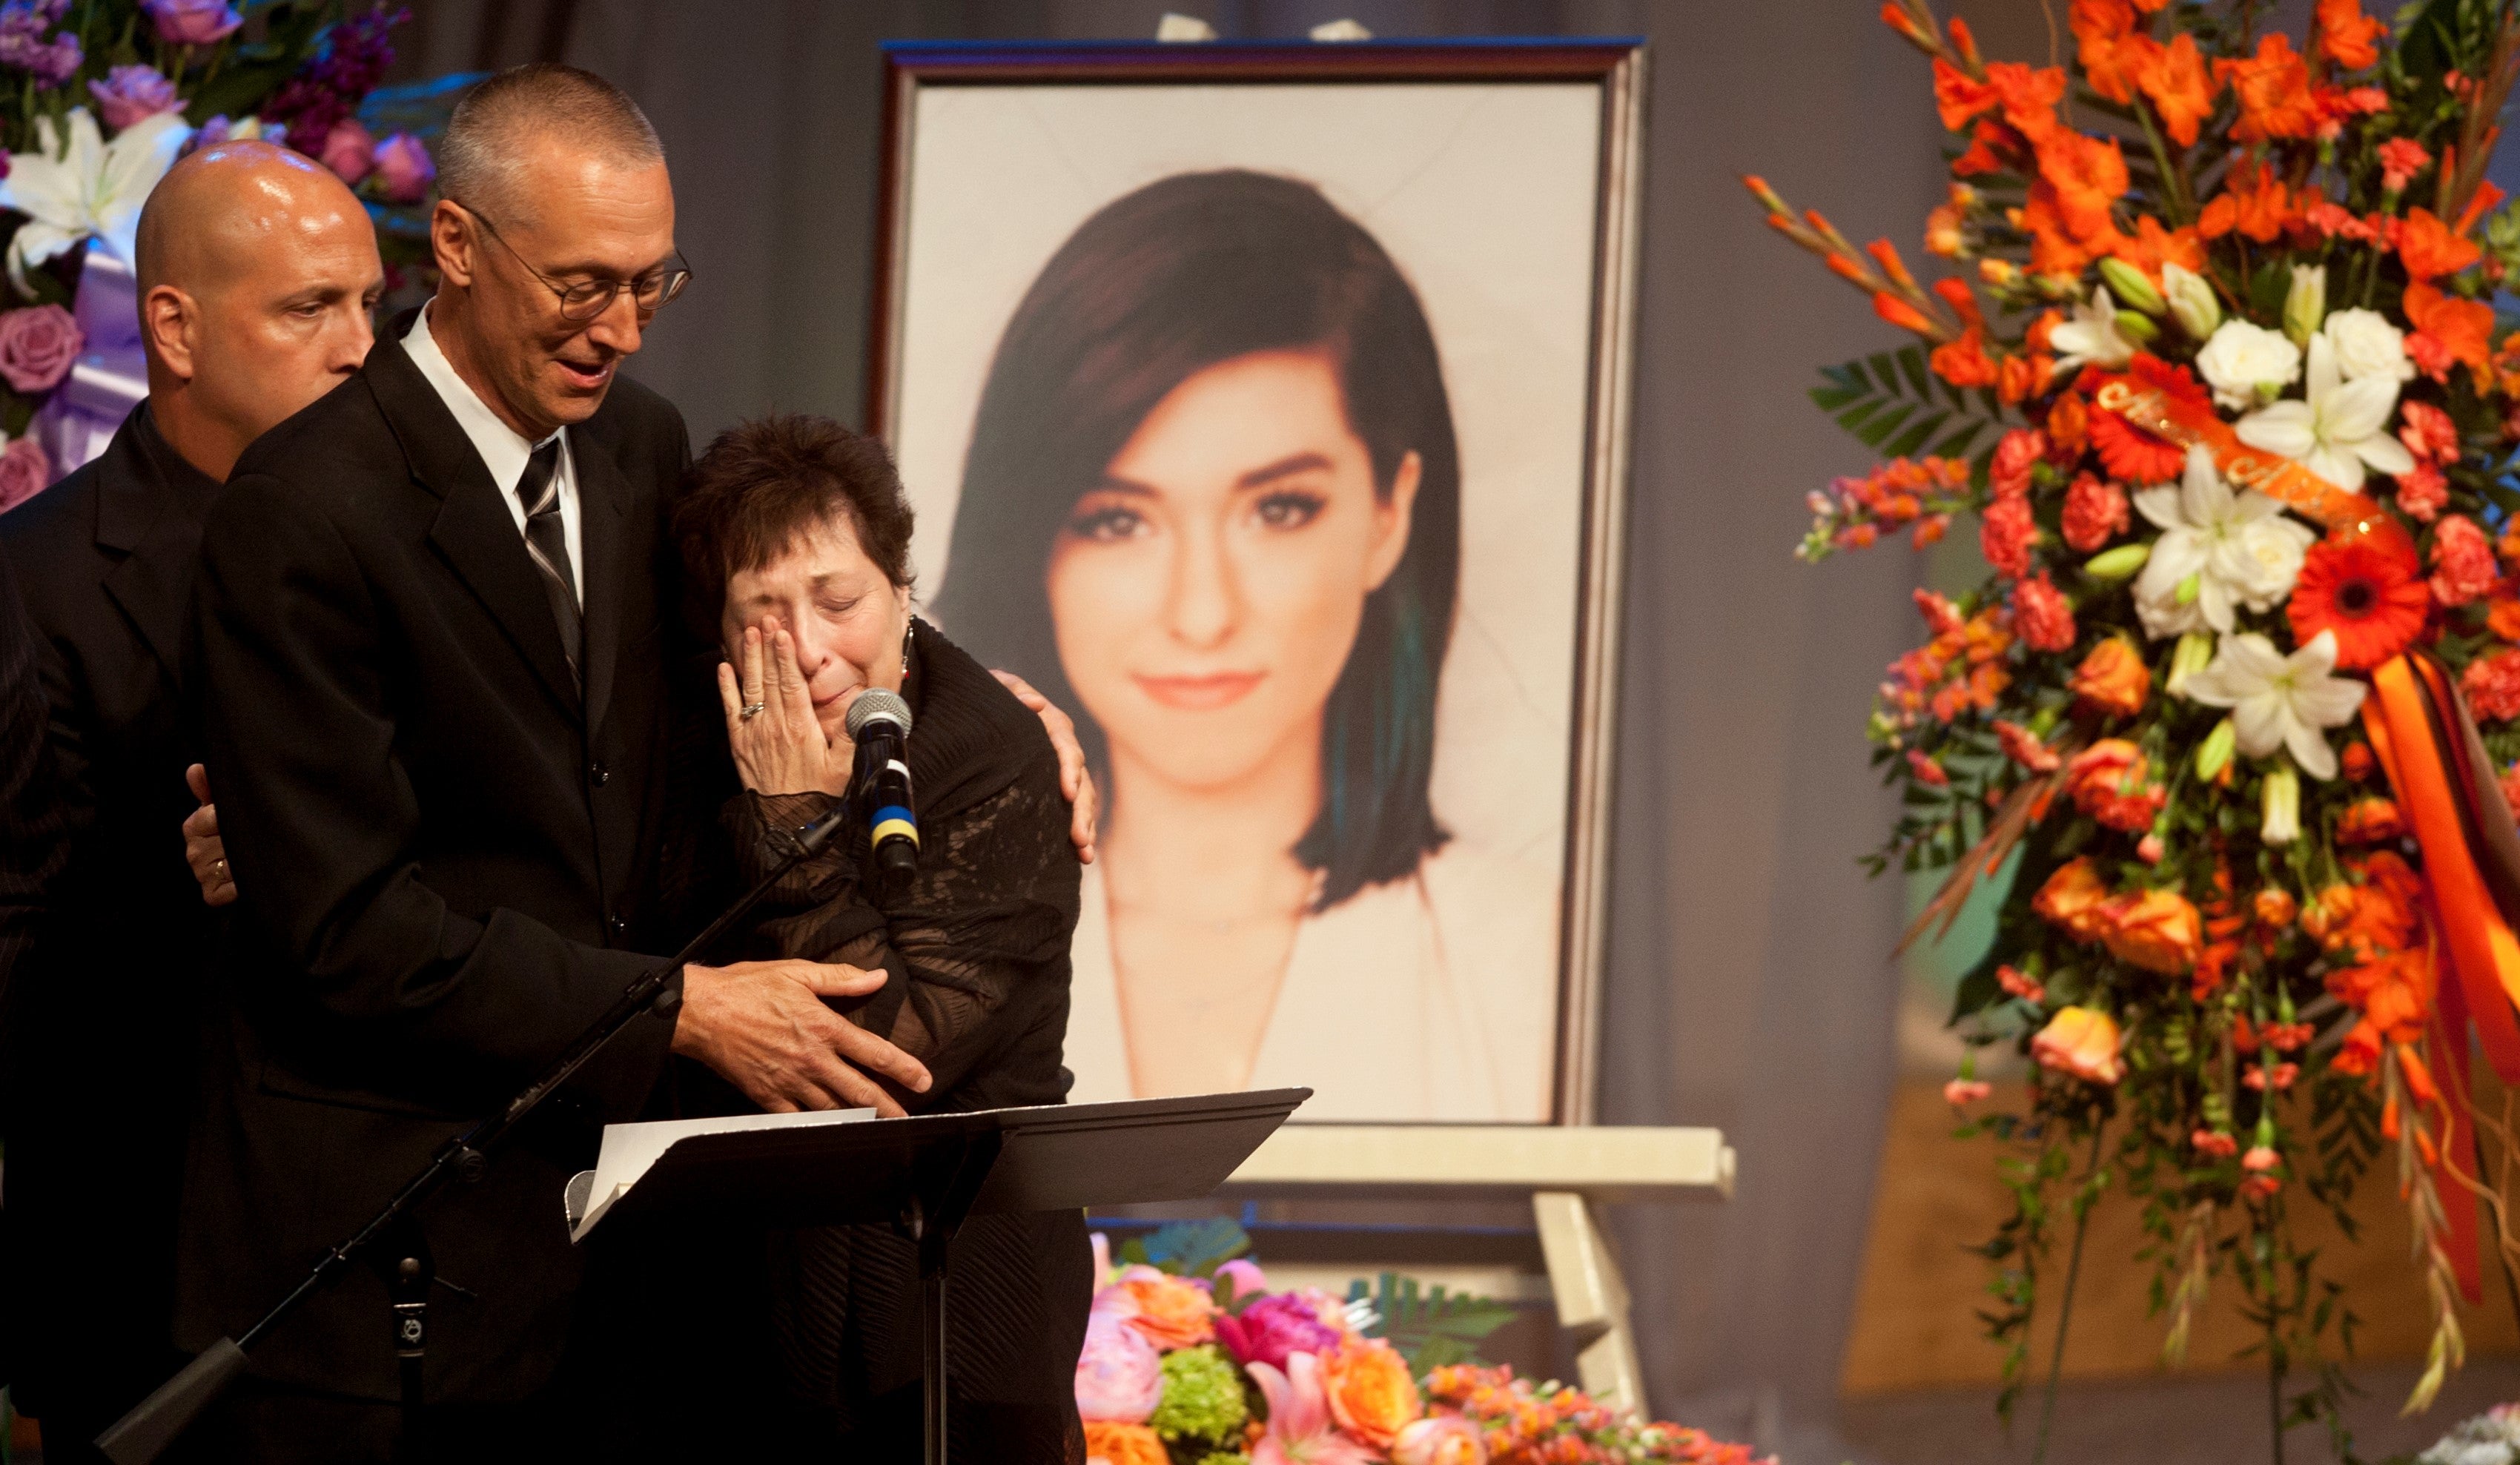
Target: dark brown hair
1160, 285
763, 484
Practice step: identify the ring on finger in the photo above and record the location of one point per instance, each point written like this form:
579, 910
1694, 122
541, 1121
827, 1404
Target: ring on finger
752, 710
220, 868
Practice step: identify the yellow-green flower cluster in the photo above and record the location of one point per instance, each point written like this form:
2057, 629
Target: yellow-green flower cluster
1202, 1397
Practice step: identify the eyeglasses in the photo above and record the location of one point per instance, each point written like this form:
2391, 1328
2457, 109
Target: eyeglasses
586, 299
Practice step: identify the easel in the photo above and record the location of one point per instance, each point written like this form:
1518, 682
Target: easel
1565, 1173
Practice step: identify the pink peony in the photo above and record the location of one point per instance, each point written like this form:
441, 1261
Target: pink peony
349, 150
1245, 1274
1119, 1376
24, 471
131, 94
1273, 1327
193, 23
2463, 562
2042, 615
2095, 512
1439, 1439
1300, 1430
403, 169
37, 346
2005, 533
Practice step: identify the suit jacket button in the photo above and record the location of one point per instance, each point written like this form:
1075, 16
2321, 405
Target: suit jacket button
617, 926
600, 774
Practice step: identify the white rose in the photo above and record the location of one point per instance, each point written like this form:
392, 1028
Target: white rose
2247, 364
2367, 346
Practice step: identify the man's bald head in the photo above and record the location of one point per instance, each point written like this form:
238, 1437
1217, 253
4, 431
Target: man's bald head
257, 270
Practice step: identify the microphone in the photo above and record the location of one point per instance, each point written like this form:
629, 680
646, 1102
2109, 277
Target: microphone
878, 724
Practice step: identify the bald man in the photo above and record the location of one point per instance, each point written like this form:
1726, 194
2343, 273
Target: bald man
257, 271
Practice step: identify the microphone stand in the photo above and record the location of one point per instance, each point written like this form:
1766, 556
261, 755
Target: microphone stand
140, 1436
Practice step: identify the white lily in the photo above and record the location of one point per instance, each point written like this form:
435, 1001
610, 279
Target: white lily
84, 187
2341, 427
2090, 336
2281, 701
2217, 551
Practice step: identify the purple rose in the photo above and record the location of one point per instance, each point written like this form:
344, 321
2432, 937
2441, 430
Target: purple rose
24, 472
349, 150
22, 43
1273, 1327
37, 346
193, 23
131, 94
403, 169
1119, 1376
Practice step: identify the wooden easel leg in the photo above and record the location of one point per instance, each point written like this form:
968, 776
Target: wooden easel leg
1591, 1299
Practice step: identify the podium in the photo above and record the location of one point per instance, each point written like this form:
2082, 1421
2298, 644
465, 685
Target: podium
929, 1172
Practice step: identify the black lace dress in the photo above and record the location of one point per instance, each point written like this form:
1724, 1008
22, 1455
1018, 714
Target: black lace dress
976, 958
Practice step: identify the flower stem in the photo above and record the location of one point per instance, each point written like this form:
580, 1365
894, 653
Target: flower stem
2171, 181
2065, 1307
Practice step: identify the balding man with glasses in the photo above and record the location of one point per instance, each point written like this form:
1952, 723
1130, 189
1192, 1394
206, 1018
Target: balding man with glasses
432, 646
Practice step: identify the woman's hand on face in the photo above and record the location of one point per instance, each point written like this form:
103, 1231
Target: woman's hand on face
770, 724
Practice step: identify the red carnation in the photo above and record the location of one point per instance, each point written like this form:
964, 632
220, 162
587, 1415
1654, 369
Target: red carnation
2422, 492
2095, 512
2493, 687
2008, 473
2042, 615
2006, 535
2463, 565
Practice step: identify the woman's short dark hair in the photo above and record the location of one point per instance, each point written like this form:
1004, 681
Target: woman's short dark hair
1182, 275
763, 484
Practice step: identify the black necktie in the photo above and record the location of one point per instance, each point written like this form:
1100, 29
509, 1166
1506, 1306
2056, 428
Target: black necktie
546, 540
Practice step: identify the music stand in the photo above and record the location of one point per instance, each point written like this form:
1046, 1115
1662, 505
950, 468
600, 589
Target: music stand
927, 1173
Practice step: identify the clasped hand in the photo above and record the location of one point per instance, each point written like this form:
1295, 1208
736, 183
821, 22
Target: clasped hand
778, 743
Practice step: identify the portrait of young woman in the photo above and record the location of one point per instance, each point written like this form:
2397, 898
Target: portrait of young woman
1214, 490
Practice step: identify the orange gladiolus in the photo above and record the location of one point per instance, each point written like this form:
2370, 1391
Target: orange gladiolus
2461, 330
2430, 250
2029, 96
2087, 176
1959, 97
1963, 363
2019, 378
2109, 46
2181, 89
2072, 900
1900, 313
1372, 1394
2254, 201
2274, 88
2081, 1042
2346, 34
2113, 680
2151, 246
1124, 1443
2158, 930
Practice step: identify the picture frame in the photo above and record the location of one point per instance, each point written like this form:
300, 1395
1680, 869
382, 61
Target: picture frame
992, 152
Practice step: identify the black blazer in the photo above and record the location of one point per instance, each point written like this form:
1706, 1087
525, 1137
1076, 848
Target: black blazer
96, 1070
439, 850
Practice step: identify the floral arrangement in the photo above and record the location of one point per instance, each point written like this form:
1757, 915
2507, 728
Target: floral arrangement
2491, 1437
2225, 733
1190, 1360
102, 97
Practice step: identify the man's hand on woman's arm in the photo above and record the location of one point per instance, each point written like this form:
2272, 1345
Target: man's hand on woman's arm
763, 1026
1075, 779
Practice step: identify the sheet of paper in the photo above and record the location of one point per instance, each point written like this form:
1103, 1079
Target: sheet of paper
630, 1149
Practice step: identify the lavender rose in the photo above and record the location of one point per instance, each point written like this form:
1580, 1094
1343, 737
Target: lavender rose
1273, 1327
132, 95
193, 23
403, 169
37, 346
1119, 1376
24, 472
349, 150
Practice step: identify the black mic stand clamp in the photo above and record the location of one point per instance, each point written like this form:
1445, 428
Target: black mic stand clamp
142, 1434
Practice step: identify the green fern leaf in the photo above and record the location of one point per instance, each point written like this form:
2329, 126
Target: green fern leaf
1433, 1326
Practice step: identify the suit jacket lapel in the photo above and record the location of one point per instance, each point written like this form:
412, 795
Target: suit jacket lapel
602, 499
158, 540
473, 530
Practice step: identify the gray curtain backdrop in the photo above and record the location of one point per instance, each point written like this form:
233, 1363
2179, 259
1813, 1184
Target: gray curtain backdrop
1749, 984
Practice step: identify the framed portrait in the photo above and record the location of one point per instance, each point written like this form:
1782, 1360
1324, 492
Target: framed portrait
1265, 407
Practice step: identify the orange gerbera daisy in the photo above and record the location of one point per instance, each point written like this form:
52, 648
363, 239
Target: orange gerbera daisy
2274, 88
2346, 34
2374, 602
2182, 90
2430, 250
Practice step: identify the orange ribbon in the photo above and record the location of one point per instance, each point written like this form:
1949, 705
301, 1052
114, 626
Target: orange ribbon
2186, 423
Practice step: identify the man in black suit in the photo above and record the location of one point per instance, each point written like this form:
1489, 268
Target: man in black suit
256, 271
432, 634
35, 834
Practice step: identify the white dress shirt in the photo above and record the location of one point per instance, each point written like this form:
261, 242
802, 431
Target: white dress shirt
503, 449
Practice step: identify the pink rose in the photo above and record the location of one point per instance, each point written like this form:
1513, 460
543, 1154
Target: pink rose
131, 94
37, 346
1273, 1327
24, 471
403, 169
349, 150
1119, 1376
1439, 1439
193, 23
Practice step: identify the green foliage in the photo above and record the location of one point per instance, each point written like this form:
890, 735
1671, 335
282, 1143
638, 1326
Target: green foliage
1892, 402
1188, 1248
1432, 1328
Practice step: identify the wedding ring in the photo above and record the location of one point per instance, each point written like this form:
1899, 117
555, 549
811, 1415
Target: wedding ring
752, 710
221, 868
